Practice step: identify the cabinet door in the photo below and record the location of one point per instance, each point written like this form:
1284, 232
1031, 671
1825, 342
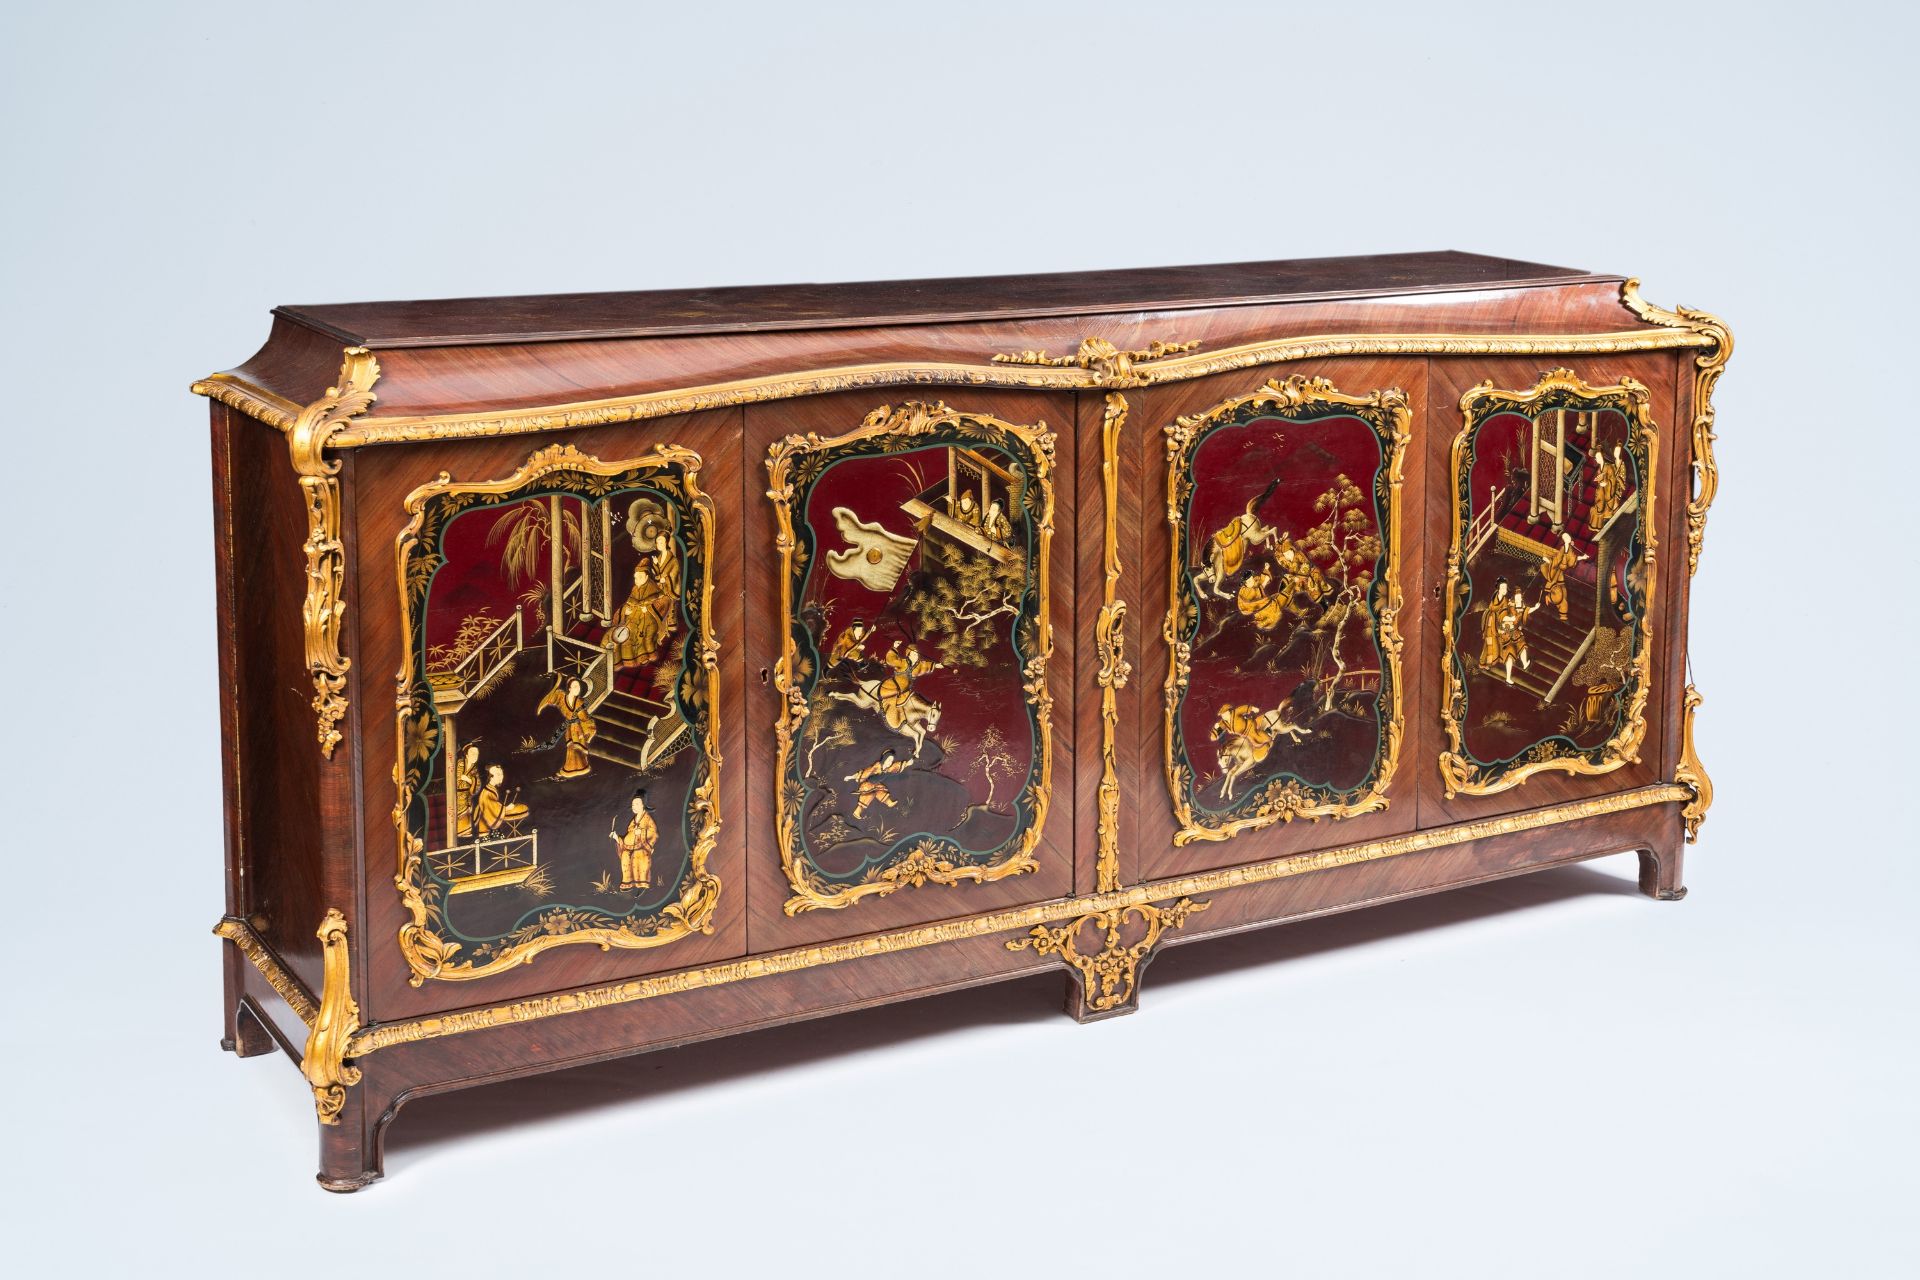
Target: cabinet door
563, 745
910, 599
1272, 685
1555, 487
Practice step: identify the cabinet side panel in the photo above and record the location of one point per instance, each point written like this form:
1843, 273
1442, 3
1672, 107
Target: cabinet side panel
1679, 582
267, 726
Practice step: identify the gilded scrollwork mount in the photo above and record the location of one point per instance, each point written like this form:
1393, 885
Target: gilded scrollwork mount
1111, 366
1707, 366
325, 607
251, 946
1109, 976
1109, 637
335, 1023
1690, 773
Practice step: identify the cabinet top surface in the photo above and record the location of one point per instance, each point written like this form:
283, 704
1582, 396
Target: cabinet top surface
560, 316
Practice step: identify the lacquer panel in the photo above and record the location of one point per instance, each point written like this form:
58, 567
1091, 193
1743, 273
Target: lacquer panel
1547, 618
914, 667
915, 742
1285, 697
557, 714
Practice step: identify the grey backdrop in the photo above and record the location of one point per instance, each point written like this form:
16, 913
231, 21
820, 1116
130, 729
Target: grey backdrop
1549, 1077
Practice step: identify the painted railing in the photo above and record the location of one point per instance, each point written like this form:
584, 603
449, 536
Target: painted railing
1483, 523
488, 862
484, 661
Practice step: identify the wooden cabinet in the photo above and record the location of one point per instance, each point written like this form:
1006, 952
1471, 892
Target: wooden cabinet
609, 671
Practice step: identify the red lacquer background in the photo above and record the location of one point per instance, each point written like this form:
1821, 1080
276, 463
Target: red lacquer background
1504, 720
1231, 661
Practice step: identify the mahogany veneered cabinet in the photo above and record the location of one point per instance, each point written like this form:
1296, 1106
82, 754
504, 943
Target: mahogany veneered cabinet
609, 671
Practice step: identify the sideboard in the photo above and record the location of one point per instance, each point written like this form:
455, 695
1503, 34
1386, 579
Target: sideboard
604, 672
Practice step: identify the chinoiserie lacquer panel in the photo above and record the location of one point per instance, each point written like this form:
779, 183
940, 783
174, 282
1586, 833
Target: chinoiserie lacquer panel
1284, 689
914, 736
557, 725
1547, 627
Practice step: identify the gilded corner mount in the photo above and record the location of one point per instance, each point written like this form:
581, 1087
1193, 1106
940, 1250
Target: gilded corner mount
1690, 773
326, 604
334, 1025
1707, 367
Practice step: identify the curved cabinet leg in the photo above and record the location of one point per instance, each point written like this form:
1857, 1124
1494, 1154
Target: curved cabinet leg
1660, 873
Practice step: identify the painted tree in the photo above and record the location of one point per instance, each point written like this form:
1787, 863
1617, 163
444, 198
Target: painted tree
827, 726
527, 532
1346, 546
991, 760
473, 628
1604, 669
958, 593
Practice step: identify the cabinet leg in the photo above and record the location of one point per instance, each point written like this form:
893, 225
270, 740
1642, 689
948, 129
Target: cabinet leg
1106, 952
1104, 1004
350, 1151
247, 1036
242, 1031
1660, 874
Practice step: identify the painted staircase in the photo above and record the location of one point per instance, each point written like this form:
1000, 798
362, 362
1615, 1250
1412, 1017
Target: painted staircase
625, 729
1555, 647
